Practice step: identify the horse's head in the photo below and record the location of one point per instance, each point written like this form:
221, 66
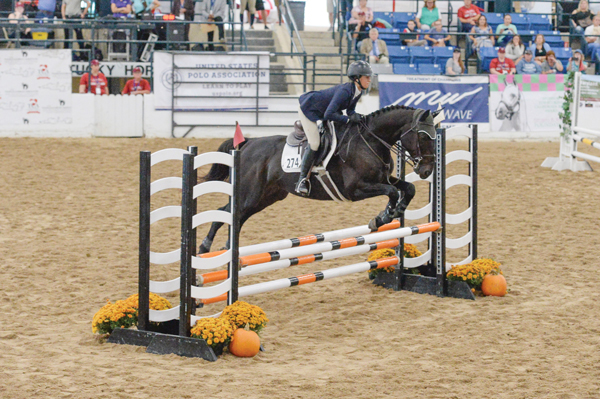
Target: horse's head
509, 102
419, 141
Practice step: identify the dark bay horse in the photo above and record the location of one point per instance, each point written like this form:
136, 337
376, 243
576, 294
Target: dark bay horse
361, 168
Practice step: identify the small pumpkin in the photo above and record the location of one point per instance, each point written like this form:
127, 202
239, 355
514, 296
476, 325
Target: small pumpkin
244, 343
494, 285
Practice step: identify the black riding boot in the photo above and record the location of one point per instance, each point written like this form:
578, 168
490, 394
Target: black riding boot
302, 187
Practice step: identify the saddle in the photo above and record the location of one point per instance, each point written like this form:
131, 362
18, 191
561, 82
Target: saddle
298, 139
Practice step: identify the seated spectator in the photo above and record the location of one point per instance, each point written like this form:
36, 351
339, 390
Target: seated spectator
454, 65
515, 49
576, 63
362, 16
482, 34
502, 65
528, 66
120, 8
593, 40
137, 85
468, 15
581, 17
214, 11
438, 36
551, 65
427, 16
506, 31
539, 48
412, 40
19, 17
375, 48
95, 83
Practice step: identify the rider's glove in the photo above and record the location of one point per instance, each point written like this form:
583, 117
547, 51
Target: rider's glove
356, 118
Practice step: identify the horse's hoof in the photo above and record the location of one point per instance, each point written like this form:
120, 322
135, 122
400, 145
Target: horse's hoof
202, 250
373, 224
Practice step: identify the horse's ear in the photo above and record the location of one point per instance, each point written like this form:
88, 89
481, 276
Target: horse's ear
438, 116
424, 116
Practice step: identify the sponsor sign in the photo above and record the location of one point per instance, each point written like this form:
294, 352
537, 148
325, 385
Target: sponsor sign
464, 99
35, 87
589, 102
526, 103
113, 69
210, 82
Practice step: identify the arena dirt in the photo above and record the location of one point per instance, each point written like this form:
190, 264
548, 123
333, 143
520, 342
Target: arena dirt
68, 242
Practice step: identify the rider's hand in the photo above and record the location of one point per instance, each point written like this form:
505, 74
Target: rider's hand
356, 118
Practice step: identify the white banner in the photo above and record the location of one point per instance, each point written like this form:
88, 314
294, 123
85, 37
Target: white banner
35, 87
213, 81
589, 104
114, 69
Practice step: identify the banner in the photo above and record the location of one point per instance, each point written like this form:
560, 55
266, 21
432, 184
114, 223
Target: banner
464, 98
211, 82
114, 69
35, 87
526, 103
589, 102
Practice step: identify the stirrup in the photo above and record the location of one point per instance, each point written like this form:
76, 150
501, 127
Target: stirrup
303, 187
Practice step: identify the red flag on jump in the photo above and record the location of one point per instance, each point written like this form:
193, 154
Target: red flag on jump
238, 137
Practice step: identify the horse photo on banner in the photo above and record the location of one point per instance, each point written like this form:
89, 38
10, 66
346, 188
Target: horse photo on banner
526, 103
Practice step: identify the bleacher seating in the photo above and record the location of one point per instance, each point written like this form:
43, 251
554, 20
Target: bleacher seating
429, 69
391, 37
486, 55
442, 54
563, 54
538, 22
553, 38
405, 69
493, 19
386, 16
421, 55
520, 21
399, 54
401, 19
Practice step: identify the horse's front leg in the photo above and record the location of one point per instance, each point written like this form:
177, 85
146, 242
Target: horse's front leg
365, 191
408, 192
214, 228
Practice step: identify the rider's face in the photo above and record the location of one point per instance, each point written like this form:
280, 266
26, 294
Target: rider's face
365, 81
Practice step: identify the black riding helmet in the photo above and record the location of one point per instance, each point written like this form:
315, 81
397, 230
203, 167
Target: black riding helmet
358, 69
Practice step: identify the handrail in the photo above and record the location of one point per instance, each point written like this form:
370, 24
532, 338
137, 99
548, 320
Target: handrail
293, 29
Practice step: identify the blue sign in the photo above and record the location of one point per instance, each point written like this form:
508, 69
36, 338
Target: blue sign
464, 99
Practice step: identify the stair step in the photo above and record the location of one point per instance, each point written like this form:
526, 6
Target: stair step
315, 42
315, 34
254, 33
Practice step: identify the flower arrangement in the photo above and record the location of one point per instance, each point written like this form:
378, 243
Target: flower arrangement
217, 332
565, 115
124, 313
241, 313
473, 273
410, 251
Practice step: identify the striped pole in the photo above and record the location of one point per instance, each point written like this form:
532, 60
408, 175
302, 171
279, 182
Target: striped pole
338, 244
306, 240
587, 141
301, 260
308, 278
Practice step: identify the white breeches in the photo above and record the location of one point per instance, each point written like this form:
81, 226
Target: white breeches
311, 130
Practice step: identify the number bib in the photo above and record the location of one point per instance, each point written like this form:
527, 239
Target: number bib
291, 159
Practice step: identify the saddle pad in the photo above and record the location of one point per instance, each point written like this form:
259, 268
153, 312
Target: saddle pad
291, 158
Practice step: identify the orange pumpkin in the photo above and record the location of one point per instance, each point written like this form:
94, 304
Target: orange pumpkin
494, 285
244, 343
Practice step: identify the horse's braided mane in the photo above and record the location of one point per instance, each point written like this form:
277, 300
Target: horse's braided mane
388, 109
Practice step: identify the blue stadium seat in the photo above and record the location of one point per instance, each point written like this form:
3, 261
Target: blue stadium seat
486, 55
401, 19
553, 38
430, 69
405, 69
421, 55
391, 37
539, 22
494, 19
520, 21
399, 54
563, 54
386, 16
442, 54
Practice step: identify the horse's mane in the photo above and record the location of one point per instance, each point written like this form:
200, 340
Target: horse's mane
388, 109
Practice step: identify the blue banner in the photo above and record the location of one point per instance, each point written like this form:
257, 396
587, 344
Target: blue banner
464, 99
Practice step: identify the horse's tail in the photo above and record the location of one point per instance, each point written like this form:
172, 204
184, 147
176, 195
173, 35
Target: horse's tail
219, 171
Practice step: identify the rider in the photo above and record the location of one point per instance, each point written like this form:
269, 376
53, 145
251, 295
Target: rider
327, 105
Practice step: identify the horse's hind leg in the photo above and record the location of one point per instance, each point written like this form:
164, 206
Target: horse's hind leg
214, 228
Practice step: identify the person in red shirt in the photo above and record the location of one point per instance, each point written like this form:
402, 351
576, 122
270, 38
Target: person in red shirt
468, 15
96, 83
137, 85
502, 65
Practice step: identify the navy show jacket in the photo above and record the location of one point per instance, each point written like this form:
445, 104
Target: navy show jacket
328, 104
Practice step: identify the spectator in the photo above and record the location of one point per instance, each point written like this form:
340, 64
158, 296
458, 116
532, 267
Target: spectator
438, 35
582, 16
96, 83
468, 15
137, 85
593, 31
19, 17
551, 65
528, 66
375, 48
330, 11
412, 40
482, 34
71, 9
576, 63
502, 65
250, 6
121, 8
214, 11
260, 6
143, 7
362, 16
454, 65
46, 9
539, 48
506, 31
184, 9
427, 16
515, 49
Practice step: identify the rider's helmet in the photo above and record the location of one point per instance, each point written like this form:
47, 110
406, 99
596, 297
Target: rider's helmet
358, 69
